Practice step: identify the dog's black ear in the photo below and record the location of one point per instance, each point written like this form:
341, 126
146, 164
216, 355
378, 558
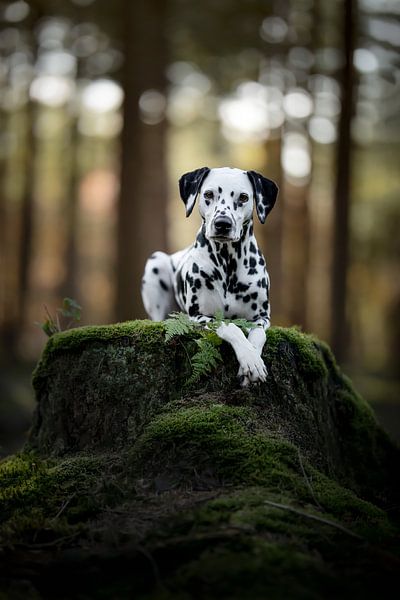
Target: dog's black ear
189, 186
265, 193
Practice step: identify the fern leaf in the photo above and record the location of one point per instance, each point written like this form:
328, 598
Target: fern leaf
205, 360
243, 324
178, 324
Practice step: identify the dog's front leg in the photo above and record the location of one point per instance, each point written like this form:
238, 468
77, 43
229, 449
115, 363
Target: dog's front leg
251, 366
257, 338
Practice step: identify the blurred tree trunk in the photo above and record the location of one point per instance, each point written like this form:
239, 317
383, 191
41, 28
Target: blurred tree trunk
27, 217
5, 324
295, 253
69, 285
339, 325
143, 197
270, 235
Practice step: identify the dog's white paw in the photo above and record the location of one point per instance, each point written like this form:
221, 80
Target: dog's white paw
252, 368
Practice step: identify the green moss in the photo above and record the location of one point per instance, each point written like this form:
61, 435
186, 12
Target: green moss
216, 439
247, 571
305, 348
149, 333
35, 492
222, 445
256, 550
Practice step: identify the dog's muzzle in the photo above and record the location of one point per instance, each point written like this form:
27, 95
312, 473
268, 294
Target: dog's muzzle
222, 227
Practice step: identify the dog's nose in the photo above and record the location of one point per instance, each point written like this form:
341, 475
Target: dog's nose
222, 225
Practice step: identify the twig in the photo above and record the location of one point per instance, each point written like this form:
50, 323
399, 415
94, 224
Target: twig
64, 506
314, 517
53, 542
187, 353
307, 480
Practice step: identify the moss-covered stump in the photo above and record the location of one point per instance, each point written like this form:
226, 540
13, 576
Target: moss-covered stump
134, 485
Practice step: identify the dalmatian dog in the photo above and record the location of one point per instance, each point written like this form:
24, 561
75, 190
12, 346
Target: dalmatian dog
223, 270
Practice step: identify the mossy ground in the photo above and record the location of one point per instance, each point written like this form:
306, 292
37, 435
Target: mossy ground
280, 491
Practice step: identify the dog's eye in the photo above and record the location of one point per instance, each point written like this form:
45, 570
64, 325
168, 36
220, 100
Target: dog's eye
243, 198
209, 195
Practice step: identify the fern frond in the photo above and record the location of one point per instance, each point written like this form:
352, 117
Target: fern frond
205, 360
178, 324
243, 324
208, 355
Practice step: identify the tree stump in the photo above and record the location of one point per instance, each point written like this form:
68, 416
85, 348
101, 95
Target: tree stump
134, 483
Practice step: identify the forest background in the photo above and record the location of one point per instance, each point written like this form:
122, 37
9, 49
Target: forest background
104, 105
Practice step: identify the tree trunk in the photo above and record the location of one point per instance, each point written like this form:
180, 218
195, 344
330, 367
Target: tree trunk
27, 217
339, 326
138, 485
270, 236
143, 198
295, 253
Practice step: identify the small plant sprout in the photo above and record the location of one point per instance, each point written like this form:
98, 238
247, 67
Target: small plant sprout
64, 318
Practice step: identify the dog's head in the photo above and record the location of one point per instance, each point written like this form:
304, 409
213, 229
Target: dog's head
226, 199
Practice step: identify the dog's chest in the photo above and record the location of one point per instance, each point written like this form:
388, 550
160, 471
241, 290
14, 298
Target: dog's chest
216, 279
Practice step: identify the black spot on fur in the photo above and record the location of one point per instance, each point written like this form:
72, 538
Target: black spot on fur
201, 238
216, 274
242, 287
195, 268
246, 298
232, 194
164, 285
254, 306
220, 190
197, 283
155, 270
253, 249
193, 310
252, 262
214, 259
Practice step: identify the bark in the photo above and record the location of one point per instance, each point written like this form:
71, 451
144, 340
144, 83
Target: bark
27, 218
296, 253
143, 198
271, 235
339, 323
